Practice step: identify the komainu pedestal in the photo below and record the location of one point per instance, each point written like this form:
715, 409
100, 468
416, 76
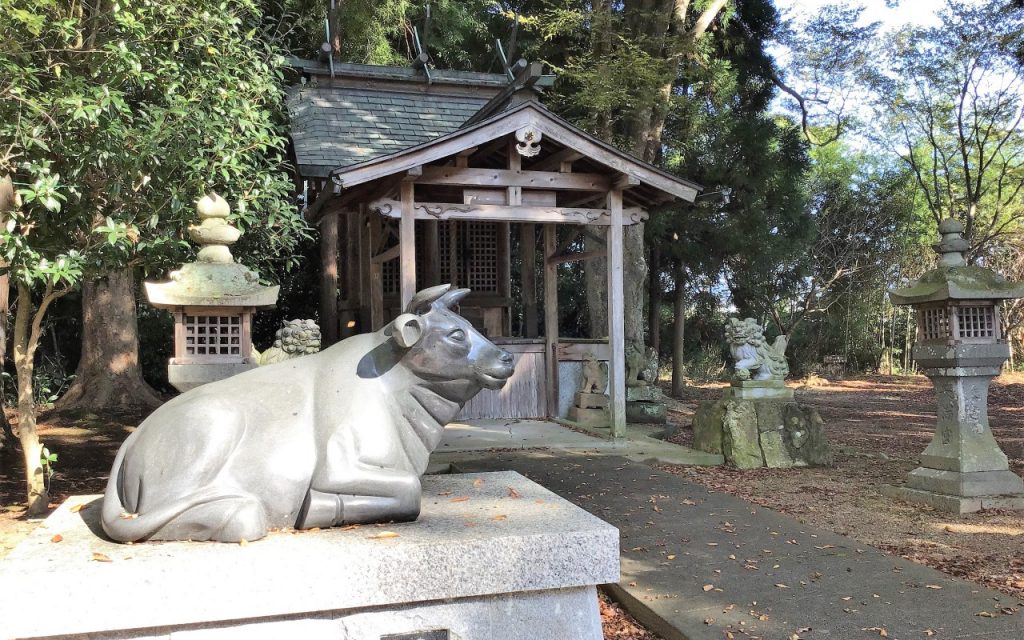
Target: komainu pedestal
750, 434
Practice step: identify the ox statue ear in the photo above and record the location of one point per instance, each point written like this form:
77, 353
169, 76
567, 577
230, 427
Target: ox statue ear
407, 329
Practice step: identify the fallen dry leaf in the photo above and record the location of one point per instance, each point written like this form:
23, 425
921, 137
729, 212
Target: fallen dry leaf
128, 516
709, 587
100, 557
500, 517
880, 630
77, 508
929, 632
478, 483
709, 621
383, 535
671, 557
243, 543
512, 493
781, 586
57, 538
932, 586
459, 499
985, 614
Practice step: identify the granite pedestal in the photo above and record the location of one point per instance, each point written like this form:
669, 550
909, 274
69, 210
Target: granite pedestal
645, 404
758, 390
493, 555
590, 409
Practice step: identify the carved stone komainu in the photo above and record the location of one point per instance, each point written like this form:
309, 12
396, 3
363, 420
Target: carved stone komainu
337, 437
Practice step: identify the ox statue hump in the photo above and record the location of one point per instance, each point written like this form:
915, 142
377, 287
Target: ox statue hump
337, 437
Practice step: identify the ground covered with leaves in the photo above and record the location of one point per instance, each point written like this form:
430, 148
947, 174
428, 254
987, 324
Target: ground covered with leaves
878, 426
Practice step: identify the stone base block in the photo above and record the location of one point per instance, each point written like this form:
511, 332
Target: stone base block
184, 377
478, 564
968, 485
953, 504
589, 417
761, 433
758, 390
591, 400
644, 393
646, 412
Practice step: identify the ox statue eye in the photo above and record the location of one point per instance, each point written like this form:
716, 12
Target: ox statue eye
457, 335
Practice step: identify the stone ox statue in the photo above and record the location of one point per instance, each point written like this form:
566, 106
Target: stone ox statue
337, 437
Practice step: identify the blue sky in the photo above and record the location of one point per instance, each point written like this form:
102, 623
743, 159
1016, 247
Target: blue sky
920, 12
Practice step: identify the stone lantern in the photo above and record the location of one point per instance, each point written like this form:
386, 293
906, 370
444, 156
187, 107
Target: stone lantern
960, 347
213, 301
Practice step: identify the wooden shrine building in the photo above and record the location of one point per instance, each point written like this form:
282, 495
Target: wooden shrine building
417, 181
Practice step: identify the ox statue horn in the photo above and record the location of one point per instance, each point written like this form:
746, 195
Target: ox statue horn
337, 437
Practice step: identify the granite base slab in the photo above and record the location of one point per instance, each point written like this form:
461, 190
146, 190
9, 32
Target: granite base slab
489, 551
960, 505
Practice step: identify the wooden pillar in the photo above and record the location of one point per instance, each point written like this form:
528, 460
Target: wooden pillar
528, 250
551, 318
505, 275
329, 278
616, 317
407, 246
432, 260
362, 230
376, 275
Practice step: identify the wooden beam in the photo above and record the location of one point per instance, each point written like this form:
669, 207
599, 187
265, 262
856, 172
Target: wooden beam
329, 279
389, 254
625, 181
555, 160
551, 319
413, 174
407, 242
616, 318
506, 213
472, 177
528, 250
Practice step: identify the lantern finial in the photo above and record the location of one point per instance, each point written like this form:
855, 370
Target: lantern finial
952, 246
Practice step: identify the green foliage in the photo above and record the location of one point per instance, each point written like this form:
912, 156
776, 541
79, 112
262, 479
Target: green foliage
950, 100
115, 118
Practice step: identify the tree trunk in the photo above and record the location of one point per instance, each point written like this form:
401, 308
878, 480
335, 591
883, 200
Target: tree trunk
595, 277
654, 300
26, 339
678, 335
634, 273
108, 376
7, 203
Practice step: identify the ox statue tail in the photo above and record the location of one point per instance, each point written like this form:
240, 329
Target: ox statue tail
124, 527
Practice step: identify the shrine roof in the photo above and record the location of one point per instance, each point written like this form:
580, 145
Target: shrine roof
365, 112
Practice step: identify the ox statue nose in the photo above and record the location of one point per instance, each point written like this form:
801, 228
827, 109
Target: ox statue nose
506, 357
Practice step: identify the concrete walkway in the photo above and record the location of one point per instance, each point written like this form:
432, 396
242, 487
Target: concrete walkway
699, 565
466, 440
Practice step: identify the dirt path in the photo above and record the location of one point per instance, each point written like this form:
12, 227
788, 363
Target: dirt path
878, 426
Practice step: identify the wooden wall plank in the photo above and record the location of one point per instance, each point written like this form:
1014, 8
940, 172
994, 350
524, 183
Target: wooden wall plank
528, 250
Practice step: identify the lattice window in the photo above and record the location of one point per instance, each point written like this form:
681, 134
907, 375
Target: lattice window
391, 275
213, 335
976, 322
482, 252
934, 323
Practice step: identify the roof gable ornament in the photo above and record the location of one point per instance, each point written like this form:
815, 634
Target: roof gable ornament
529, 141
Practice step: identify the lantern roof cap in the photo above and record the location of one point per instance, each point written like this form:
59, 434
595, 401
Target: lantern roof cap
214, 279
953, 278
